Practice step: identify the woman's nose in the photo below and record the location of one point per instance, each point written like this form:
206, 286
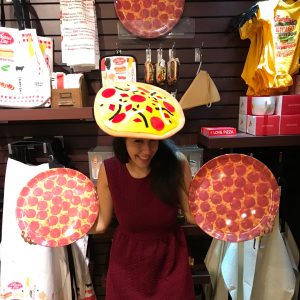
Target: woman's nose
146, 147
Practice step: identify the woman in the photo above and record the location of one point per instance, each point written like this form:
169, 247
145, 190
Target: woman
144, 184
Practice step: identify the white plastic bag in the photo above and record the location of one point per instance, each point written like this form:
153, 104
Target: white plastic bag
25, 80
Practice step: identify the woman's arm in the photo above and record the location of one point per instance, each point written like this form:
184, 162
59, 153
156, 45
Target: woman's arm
184, 199
105, 204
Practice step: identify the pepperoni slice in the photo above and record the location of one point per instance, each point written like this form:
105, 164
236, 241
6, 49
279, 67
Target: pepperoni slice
216, 198
253, 177
107, 93
217, 186
119, 118
126, 5
221, 209
263, 188
216, 174
203, 195
170, 9
205, 183
227, 181
169, 106
157, 123
146, 3
262, 200
220, 223
205, 207
228, 169
145, 13
249, 201
240, 170
211, 216
240, 182
236, 204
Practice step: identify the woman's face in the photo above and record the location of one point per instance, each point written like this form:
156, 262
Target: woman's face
141, 151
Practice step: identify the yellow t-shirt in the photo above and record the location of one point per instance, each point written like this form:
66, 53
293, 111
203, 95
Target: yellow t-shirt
283, 26
274, 50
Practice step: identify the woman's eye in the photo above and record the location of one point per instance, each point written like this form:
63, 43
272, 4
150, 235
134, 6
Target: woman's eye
138, 141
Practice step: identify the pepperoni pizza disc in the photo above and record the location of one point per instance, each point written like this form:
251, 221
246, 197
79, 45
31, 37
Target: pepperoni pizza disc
149, 18
137, 110
57, 207
234, 197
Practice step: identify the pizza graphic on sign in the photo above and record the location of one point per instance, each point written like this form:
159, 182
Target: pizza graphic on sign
234, 197
149, 18
57, 207
135, 109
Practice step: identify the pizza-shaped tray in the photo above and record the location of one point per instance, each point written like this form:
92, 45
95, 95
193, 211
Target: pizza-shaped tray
57, 207
148, 18
234, 197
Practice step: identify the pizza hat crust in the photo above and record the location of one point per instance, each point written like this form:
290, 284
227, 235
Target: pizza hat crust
137, 110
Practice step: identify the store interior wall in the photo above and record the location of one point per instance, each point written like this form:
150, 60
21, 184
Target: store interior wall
223, 54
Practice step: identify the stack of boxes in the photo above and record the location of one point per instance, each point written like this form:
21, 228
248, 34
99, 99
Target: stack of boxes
284, 121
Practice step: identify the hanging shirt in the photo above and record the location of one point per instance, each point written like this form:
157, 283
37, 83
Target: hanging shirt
274, 51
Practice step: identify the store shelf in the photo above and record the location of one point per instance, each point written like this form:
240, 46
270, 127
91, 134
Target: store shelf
243, 140
42, 114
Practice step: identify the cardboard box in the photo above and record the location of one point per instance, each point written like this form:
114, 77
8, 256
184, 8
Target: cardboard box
67, 98
96, 156
218, 131
288, 105
242, 126
194, 155
263, 125
289, 124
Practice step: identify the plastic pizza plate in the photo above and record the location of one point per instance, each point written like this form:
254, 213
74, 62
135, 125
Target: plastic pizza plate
234, 197
149, 18
57, 207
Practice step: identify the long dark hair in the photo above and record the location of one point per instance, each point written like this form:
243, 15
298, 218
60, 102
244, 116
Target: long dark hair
167, 177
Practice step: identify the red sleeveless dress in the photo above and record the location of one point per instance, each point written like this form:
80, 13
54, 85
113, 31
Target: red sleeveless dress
148, 257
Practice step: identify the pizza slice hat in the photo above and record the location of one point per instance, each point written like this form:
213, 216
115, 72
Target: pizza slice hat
137, 110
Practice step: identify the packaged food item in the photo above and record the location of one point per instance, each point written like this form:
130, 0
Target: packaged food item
172, 68
149, 68
160, 69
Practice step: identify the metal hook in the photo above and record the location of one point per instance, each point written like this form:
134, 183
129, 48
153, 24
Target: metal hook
172, 52
198, 57
118, 51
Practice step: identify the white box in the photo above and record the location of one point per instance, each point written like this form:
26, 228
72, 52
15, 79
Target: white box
245, 105
263, 125
96, 156
242, 123
194, 155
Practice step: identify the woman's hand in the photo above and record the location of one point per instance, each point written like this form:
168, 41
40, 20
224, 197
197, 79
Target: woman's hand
26, 238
